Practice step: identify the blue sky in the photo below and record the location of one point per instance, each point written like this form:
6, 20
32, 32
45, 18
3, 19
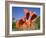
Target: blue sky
17, 12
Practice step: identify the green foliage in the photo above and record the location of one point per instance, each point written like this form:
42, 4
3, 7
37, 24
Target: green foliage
37, 23
13, 24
